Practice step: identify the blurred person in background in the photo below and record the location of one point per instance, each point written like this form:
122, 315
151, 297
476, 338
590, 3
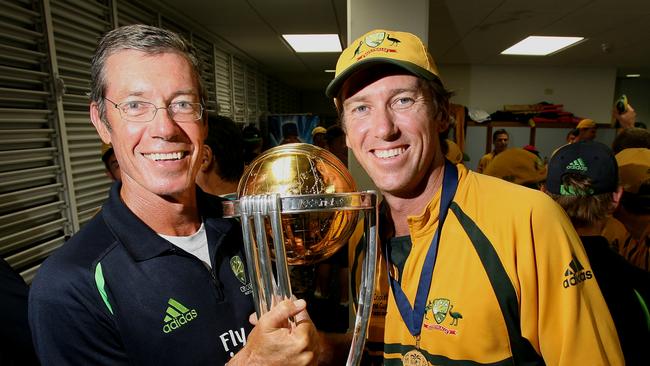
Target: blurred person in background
253, 143
223, 158
583, 179
335, 140
318, 136
518, 166
500, 140
110, 162
631, 137
586, 130
629, 230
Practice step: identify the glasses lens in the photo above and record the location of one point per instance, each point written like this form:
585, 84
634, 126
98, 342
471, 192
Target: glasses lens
185, 112
136, 111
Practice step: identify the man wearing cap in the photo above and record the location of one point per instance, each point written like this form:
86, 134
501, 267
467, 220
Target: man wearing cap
473, 266
318, 136
634, 211
500, 140
518, 166
110, 162
586, 130
583, 179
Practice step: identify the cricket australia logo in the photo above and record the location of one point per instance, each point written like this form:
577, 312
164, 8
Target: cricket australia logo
440, 308
237, 267
373, 41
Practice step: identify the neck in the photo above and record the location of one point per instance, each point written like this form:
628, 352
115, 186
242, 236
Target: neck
401, 208
175, 215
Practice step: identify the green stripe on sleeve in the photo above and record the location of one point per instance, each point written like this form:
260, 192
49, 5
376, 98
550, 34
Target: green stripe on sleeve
99, 280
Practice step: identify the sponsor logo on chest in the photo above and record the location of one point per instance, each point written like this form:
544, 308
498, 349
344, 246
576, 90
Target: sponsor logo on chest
177, 315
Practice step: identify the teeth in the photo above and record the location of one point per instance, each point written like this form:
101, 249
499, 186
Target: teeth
165, 156
384, 154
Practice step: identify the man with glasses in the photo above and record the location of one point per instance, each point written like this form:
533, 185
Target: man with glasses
157, 277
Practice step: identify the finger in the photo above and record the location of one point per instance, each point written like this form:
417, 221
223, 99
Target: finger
253, 319
302, 316
280, 313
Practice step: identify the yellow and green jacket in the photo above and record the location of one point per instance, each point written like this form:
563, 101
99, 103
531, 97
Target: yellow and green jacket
511, 284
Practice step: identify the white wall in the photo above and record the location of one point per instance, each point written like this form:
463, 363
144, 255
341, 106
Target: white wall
586, 92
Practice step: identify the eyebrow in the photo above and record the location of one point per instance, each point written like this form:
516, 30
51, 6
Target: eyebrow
192, 92
393, 92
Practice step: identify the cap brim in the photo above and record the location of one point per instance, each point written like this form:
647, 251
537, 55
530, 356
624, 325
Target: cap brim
335, 85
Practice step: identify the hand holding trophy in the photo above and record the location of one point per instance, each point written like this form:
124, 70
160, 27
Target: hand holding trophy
302, 199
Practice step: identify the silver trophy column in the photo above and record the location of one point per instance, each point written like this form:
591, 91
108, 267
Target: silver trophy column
302, 199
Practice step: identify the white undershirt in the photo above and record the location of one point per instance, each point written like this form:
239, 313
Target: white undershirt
195, 244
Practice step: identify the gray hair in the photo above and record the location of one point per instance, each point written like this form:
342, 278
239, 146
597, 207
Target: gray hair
139, 37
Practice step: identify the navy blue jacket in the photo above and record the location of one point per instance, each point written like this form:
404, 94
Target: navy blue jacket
117, 293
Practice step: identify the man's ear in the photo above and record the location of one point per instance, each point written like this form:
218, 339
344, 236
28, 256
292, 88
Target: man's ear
100, 126
206, 159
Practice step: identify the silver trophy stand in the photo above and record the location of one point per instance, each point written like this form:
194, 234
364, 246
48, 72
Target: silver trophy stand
256, 211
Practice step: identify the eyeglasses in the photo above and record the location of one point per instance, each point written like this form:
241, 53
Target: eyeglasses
137, 111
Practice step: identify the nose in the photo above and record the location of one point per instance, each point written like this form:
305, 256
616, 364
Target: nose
384, 126
163, 126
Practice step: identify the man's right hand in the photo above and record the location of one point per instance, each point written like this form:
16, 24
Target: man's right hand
627, 118
273, 342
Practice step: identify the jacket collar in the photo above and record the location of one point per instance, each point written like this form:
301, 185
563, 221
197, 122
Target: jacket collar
142, 242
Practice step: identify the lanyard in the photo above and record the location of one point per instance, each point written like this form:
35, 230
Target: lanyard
413, 317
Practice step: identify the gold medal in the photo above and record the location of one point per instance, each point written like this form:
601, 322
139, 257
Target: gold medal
414, 358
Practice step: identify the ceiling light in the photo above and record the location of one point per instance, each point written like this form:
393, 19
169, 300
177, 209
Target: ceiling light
633, 75
541, 45
330, 70
314, 42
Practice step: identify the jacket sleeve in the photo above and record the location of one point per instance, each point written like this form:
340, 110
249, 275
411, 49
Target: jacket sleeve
70, 323
563, 312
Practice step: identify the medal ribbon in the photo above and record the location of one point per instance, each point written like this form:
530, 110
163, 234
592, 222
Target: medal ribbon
414, 316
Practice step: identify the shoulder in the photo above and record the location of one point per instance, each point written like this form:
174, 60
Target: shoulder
487, 156
71, 267
506, 210
492, 191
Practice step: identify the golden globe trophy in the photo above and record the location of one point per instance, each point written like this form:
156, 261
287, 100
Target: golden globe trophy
303, 199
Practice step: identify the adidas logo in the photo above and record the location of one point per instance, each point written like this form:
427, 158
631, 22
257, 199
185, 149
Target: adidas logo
577, 164
177, 315
575, 274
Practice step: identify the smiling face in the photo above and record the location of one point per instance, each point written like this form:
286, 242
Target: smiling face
160, 157
392, 132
